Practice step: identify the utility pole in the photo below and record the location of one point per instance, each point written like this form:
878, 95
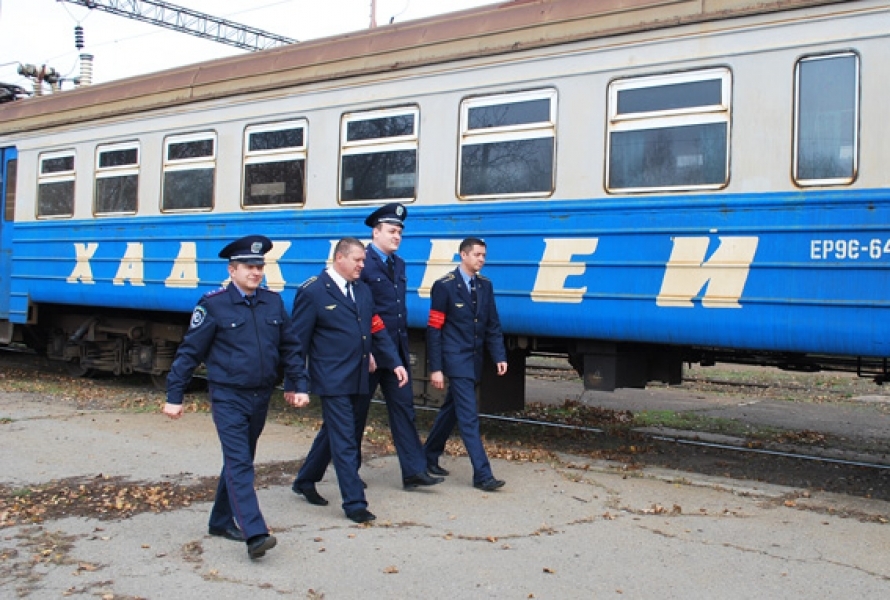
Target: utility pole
184, 20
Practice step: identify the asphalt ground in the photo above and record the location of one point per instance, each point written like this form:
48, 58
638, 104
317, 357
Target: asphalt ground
564, 527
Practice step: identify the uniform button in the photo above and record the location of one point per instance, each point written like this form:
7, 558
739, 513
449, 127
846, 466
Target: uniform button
364, 337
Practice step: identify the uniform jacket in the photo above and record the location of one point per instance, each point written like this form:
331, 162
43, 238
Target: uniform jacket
456, 336
339, 337
241, 345
389, 298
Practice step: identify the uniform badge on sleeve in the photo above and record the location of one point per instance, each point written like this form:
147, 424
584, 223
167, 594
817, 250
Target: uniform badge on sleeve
198, 317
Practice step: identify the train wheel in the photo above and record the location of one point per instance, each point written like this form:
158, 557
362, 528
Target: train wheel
75, 369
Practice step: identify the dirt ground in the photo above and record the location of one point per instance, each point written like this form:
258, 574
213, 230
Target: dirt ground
617, 437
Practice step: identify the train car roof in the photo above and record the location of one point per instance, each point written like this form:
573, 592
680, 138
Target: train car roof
485, 31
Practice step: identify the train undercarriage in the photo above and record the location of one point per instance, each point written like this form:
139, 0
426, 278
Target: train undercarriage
122, 343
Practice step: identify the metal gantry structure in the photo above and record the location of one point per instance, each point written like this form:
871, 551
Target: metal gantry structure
185, 20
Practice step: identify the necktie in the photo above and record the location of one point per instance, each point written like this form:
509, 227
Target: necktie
391, 266
473, 290
349, 292
249, 299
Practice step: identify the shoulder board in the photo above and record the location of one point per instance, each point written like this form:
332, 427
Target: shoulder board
447, 277
216, 292
308, 281
483, 277
266, 290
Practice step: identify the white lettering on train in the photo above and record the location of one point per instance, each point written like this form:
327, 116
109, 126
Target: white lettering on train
130, 268
556, 266
82, 271
686, 272
274, 278
184, 273
441, 260
725, 273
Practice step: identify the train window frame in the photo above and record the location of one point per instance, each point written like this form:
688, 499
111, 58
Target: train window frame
119, 172
704, 115
190, 164
379, 145
276, 155
11, 183
855, 125
507, 134
56, 178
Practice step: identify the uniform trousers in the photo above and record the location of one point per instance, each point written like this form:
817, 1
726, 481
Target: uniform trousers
239, 416
459, 408
338, 440
400, 408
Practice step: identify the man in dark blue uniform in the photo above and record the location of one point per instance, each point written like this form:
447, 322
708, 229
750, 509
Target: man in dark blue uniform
334, 317
463, 323
384, 273
242, 333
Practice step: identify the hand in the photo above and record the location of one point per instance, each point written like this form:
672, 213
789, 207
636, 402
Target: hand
401, 375
438, 380
502, 368
174, 411
296, 399
372, 364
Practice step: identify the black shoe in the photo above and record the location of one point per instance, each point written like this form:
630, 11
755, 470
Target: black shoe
309, 492
421, 478
490, 484
230, 533
362, 515
259, 544
436, 470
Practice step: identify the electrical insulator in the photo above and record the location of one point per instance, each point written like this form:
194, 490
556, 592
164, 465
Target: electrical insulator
78, 37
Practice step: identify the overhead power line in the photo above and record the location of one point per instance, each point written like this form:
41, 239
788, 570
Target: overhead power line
189, 21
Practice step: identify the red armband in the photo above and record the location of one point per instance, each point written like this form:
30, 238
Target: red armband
437, 319
377, 324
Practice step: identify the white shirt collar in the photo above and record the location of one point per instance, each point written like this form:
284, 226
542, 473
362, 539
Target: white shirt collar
338, 279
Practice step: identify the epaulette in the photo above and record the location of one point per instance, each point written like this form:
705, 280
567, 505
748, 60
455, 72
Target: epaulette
215, 292
266, 290
481, 276
308, 281
447, 277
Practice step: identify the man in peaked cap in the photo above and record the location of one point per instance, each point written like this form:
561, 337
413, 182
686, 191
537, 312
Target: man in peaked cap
385, 274
241, 333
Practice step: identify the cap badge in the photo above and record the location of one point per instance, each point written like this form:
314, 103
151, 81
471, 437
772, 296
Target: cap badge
256, 247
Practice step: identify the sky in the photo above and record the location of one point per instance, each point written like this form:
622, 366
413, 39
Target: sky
41, 32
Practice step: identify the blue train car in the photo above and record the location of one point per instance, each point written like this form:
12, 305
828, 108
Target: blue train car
656, 185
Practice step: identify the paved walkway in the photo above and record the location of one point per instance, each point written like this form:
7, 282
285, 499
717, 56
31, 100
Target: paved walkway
570, 530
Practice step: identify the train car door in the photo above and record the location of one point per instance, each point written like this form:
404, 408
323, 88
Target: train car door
8, 168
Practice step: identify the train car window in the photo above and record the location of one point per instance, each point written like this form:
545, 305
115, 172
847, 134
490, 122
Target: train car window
827, 119
55, 184
11, 179
189, 172
669, 132
378, 155
508, 145
117, 179
275, 164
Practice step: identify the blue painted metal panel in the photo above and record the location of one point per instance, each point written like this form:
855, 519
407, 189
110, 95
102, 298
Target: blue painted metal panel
817, 281
6, 155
